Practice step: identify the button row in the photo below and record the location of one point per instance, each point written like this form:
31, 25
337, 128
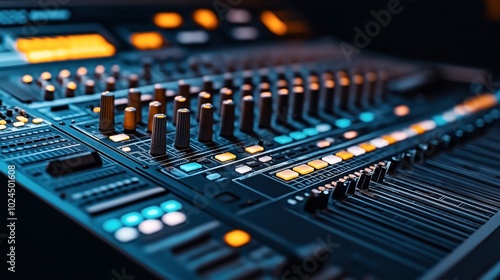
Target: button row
299, 135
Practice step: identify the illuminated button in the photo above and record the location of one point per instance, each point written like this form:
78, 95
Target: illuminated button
297, 135
213, 176
323, 127
2, 126
391, 140
174, 218
399, 135
243, 169
254, 149
287, 175
317, 164
344, 155
147, 40
225, 157
46, 76
168, 20
131, 219
3, 122
311, 131
18, 124
367, 116
111, 225
439, 120
367, 147
126, 234
96, 110
350, 134
343, 123
37, 120
188, 167
265, 159
331, 159
355, 150
283, 139
379, 142
401, 110
303, 169
152, 212
150, 226
237, 238
206, 18
126, 149
27, 79
273, 23
323, 144
22, 119
171, 206
417, 128
119, 137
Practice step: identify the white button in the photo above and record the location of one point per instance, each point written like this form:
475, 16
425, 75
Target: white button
299, 198
323, 127
379, 142
243, 169
150, 226
398, 135
331, 159
174, 218
265, 159
355, 150
291, 201
126, 234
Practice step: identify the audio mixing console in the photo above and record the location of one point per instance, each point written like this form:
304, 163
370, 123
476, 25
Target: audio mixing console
250, 148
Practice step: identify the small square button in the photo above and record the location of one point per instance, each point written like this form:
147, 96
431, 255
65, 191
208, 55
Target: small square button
190, 166
119, 137
344, 155
323, 144
355, 150
225, 157
243, 169
254, 149
265, 159
367, 147
389, 139
287, 175
303, 169
331, 159
317, 164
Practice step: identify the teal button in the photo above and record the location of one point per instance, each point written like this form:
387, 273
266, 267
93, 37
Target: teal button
297, 135
188, 167
152, 212
283, 139
343, 123
439, 120
367, 116
112, 225
132, 219
171, 206
213, 176
311, 131
498, 94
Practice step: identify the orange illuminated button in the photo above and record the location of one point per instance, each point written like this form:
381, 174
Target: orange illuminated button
344, 155
206, 19
27, 79
303, 169
147, 40
237, 238
168, 20
389, 139
287, 175
367, 147
273, 23
418, 129
317, 164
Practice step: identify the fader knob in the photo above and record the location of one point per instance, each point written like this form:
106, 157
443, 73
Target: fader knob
185, 91
203, 98
205, 130
49, 92
129, 119
282, 106
225, 94
313, 99
133, 81
265, 109
298, 102
70, 89
183, 128
110, 84
89, 86
247, 114
227, 118
107, 114
134, 100
159, 135
328, 104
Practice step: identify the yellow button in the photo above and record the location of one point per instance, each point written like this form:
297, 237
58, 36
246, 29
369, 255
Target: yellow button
2, 126
22, 119
18, 124
303, 169
418, 129
367, 147
318, 164
237, 238
37, 120
96, 110
254, 149
389, 139
3, 122
344, 155
287, 175
225, 157
119, 137
323, 144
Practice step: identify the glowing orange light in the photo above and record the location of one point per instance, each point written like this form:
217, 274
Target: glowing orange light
273, 23
46, 76
237, 238
167, 20
350, 134
401, 110
147, 40
27, 79
206, 18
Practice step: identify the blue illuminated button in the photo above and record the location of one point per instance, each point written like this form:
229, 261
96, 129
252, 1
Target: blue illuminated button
112, 225
171, 206
190, 166
343, 123
297, 135
213, 176
152, 212
323, 127
439, 120
283, 139
367, 116
310, 131
498, 94
132, 219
